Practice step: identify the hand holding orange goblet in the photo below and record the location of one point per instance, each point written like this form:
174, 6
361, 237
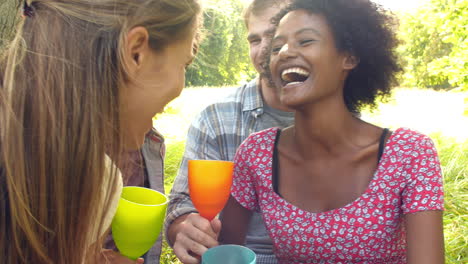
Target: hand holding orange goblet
209, 185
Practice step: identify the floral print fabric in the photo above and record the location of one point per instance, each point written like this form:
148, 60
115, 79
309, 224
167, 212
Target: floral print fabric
367, 230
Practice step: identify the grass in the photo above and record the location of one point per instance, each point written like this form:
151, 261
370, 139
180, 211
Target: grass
454, 160
441, 115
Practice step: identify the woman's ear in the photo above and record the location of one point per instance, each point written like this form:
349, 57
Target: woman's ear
350, 62
136, 48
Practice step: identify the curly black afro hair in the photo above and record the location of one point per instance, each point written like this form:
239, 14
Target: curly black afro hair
365, 30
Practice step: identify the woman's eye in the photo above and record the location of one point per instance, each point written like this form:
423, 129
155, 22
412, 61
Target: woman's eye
275, 49
306, 41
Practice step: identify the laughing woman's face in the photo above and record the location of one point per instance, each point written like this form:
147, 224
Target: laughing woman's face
305, 63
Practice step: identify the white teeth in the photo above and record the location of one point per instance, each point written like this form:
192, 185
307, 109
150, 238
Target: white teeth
291, 83
296, 70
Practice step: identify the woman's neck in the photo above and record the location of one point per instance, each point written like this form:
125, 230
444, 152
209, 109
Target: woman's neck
329, 130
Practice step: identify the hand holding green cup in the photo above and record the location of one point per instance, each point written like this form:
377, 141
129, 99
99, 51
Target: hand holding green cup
138, 220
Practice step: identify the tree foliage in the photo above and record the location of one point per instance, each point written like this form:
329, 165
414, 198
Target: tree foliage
9, 10
436, 45
223, 55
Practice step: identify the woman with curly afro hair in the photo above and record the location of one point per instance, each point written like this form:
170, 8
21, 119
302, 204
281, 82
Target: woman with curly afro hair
333, 188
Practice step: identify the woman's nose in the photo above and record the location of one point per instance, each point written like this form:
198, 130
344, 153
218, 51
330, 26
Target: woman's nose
286, 52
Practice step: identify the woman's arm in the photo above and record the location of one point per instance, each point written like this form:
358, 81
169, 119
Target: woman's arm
234, 219
424, 237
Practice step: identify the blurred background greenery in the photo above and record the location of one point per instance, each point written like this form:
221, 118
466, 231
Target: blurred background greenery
434, 49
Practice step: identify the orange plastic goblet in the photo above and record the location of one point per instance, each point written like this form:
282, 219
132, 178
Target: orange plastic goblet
209, 185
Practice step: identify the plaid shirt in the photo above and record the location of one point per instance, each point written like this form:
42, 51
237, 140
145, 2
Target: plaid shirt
215, 134
153, 152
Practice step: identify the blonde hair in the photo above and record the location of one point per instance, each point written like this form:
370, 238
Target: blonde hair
59, 115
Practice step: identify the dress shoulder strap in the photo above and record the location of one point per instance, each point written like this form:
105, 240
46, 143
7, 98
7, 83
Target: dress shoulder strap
383, 137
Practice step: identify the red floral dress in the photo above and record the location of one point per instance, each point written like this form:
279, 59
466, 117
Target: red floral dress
368, 230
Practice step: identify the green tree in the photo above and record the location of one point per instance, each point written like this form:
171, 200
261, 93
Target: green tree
435, 46
223, 55
8, 17
453, 21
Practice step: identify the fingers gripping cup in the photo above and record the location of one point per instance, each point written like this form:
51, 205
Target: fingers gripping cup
138, 220
229, 254
209, 185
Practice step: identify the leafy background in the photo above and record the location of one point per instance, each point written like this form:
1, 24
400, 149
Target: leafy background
434, 46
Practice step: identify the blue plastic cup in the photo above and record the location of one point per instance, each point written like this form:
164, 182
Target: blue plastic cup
229, 254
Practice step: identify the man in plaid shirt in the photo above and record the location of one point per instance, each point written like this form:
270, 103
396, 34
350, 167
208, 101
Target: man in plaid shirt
215, 134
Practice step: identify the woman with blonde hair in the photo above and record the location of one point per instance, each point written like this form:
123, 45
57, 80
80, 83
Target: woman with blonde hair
81, 80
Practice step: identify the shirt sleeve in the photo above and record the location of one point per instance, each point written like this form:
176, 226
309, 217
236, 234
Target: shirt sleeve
243, 183
424, 188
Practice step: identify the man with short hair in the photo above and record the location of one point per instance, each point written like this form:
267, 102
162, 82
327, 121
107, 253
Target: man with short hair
216, 133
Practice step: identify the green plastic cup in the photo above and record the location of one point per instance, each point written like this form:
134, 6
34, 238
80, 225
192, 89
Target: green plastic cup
229, 254
138, 220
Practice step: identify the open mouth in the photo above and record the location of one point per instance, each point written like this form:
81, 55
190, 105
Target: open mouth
294, 75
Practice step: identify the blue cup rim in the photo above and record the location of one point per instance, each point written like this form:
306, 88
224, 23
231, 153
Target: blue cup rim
252, 253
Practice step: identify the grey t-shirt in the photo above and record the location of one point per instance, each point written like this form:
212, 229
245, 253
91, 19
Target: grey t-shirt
275, 118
